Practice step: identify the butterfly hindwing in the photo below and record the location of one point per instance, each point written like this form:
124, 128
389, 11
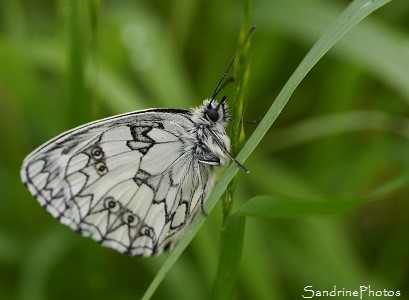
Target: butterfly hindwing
130, 182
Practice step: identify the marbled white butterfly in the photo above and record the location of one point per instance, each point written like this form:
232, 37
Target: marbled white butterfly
133, 182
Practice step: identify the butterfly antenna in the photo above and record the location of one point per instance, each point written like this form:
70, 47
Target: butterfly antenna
217, 90
227, 152
238, 163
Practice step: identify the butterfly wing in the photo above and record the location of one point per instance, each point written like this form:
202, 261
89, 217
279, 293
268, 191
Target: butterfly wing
130, 182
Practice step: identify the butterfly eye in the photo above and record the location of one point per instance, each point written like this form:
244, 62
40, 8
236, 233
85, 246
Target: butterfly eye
101, 168
212, 114
112, 205
130, 218
97, 153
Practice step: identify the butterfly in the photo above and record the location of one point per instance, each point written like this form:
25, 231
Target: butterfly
133, 182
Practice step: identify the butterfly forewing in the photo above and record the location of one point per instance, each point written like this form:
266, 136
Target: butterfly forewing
131, 182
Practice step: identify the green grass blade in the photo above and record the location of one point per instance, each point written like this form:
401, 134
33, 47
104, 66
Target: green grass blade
191, 232
293, 207
352, 15
290, 207
234, 226
78, 103
329, 125
237, 106
366, 45
230, 255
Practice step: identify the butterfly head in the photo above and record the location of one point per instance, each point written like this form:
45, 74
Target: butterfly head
213, 112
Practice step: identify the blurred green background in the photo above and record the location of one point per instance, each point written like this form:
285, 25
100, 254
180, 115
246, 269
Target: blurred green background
344, 133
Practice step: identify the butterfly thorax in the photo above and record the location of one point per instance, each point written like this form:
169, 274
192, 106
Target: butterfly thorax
212, 143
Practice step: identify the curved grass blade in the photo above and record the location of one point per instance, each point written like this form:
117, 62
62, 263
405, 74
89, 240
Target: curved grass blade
332, 124
352, 15
281, 207
293, 207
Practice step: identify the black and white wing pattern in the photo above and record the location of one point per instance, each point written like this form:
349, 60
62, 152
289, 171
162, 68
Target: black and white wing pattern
132, 182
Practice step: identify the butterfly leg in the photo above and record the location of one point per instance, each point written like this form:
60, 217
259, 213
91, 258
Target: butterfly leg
200, 173
204, 212
202, 202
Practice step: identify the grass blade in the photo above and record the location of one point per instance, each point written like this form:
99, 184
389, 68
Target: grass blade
230, 255
236, 107
379, 37
352, 15
78, 102
293, 207
232, 236
332, 124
